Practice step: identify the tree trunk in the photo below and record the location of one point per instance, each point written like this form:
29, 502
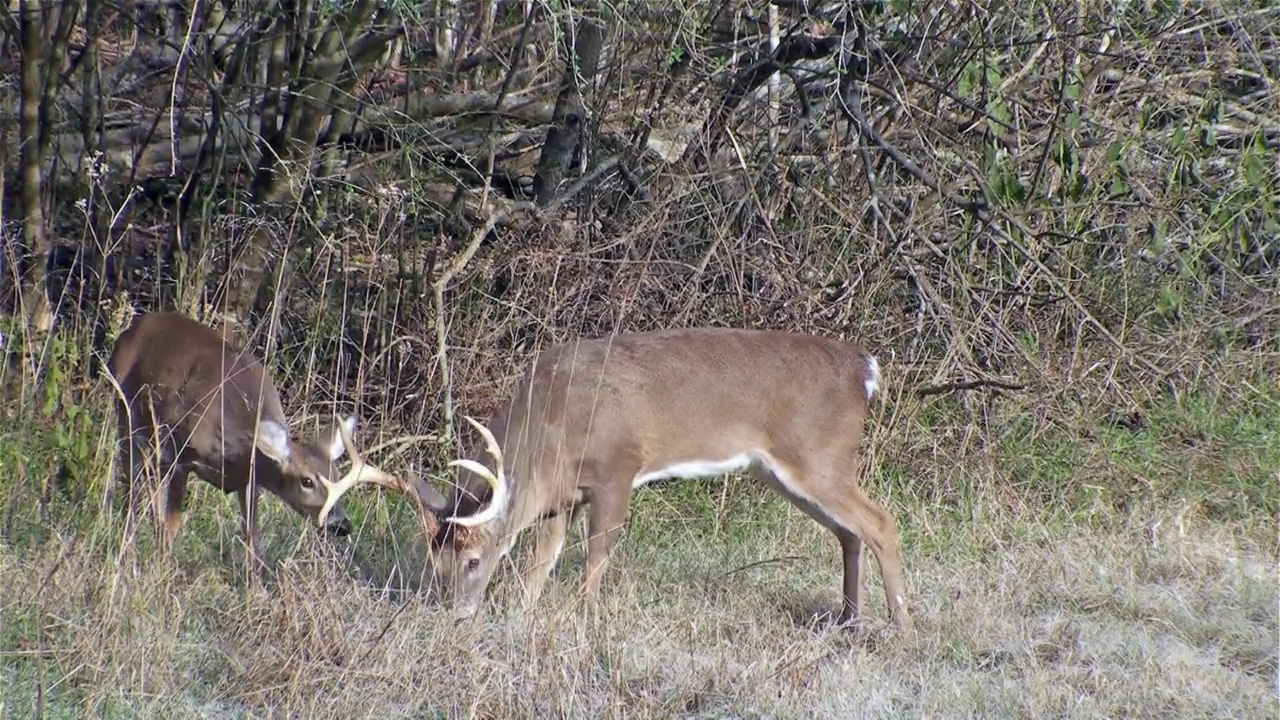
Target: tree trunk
566, 123
35, 296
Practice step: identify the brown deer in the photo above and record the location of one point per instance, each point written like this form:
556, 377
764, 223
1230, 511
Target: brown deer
189, 401
592, 420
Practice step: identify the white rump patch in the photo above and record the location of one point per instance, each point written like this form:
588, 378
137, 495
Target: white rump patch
873, 376
696, 469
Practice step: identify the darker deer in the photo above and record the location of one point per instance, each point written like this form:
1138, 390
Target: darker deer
191, 402
592, 420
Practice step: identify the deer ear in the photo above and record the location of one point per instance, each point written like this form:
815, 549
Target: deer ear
336, 447
273, 441
431, 498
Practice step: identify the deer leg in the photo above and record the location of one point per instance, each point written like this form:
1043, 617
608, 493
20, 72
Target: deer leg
119, 472
851, 548
844, 509
884, 543
605, 516
125, 470
171, 474
133, 469
858, 514
546, 550
173, 506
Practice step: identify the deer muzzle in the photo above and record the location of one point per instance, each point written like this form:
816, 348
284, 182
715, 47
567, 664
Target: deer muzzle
336, 523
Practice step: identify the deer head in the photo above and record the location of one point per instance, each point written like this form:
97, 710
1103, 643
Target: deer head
458, 542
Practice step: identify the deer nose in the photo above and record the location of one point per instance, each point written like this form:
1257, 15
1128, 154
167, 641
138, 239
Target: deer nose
464, 611
337, 524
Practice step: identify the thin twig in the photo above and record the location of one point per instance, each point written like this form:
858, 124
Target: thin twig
1258, 315
455, 266
373, 641
581, 184
758, 563
854, 114
944, 388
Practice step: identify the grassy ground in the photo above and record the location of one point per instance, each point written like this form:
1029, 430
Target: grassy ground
1063, 560
1102, 543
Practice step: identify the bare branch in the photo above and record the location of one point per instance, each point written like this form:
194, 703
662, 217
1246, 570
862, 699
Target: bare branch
455, 266
966, 385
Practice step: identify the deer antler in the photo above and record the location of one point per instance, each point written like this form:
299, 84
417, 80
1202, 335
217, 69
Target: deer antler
497, 501
360, 472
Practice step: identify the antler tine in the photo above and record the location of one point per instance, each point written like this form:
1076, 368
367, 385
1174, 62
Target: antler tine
360, 472
498, 500
491, 444
349, 445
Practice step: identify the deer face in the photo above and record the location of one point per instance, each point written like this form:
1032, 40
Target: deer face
465, 547
307, 472
464, 559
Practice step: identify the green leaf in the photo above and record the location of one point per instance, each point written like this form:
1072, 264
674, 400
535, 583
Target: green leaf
1159, 235
1117, 186
967, 80
1254, 173
1063, 154
1208, 138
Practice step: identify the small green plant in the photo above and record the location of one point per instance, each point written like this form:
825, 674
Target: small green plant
71, 425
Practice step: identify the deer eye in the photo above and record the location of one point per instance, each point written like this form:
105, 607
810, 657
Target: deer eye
308, 482
472, 564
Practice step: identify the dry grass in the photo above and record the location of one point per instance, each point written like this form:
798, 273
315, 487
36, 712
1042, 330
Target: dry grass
1067, 622
1063, 559
1029, 601
1101, 543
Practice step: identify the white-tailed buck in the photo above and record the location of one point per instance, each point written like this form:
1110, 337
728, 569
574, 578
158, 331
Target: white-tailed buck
189, 401
592, 420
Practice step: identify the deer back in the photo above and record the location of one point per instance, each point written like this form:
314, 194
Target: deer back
182, 378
